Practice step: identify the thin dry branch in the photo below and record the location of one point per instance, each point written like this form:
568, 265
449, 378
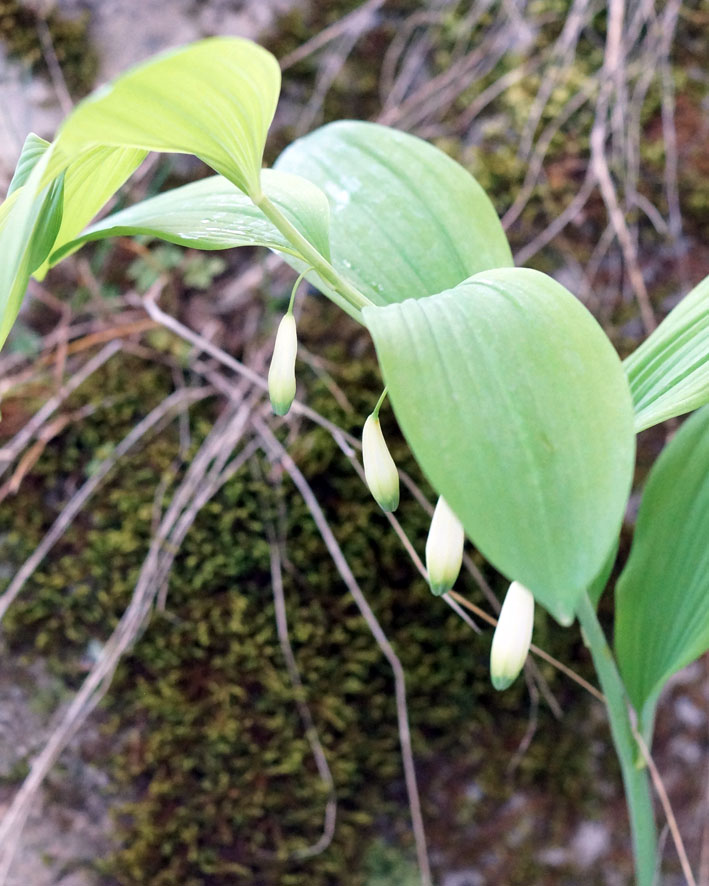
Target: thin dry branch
411, 551
344, 440
19, 442
438, 93
55, 69
299, 694
277, 452
330, 69
666, 807
567, 215
704, 851
153, 420
394, 85
561, 58
206, 475
356, 21
532, 723
599, 162
554, 662
541, 147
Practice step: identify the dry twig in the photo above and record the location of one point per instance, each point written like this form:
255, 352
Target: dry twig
207, 473
276, 451
306, 716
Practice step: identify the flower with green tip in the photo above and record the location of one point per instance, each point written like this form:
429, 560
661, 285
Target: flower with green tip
379, 469
281, 374
513, 635
444, 548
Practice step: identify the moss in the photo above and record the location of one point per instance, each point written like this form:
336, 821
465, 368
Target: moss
205, 732
78, 61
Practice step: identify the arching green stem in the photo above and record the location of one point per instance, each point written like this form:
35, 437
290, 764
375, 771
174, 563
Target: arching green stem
318, 262
375, 411
637, 787
293, 291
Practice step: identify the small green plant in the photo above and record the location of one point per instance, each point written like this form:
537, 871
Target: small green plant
509, 393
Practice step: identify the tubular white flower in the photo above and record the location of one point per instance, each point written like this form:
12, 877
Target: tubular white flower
379, 468
281, 374
444, 548
513, 634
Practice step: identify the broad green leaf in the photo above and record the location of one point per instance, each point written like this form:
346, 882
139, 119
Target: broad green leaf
7, 205
29, 229
215, 99
33, 148
599, 583
214, 214
669, 372
406, 220
89, 182
662, 596
516, 406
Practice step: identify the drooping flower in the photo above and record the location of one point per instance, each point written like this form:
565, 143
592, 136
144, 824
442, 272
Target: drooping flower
513, 635
281, 374
444, 548
379, 469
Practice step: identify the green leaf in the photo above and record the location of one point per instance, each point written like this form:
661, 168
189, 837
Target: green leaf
662, 596
213, 214
599, 583
33, 148
215, 99
89, 182
26, 235
669, 372
406, 220
516, 406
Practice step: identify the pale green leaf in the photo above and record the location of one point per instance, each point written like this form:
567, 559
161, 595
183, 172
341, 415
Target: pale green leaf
213, 214
30, 227
600, 582
406, 220
215, 99
669, 372
89, 182
662, 596
516, 406
33, 148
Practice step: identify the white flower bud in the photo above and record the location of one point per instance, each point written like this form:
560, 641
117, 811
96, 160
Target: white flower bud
281, 375
444, 548
513, 634
379, 468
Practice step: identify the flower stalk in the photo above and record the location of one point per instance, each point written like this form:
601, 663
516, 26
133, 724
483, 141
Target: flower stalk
635, 781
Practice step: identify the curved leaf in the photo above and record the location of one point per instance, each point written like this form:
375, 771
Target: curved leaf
406, 220
213, 214
669, 372
516, 406
662, 596
215, 98
33, 148
27, 233
89, 182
